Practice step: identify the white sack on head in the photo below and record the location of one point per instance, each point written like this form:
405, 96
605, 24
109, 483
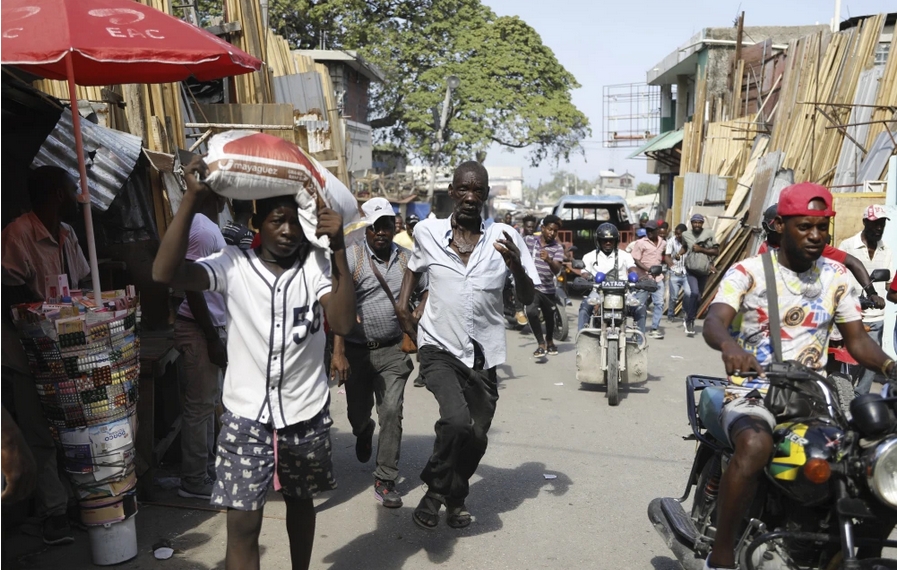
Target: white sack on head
248, 165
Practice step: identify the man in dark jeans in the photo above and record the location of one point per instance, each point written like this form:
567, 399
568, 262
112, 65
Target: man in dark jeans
461, 334
698, 240
548, 255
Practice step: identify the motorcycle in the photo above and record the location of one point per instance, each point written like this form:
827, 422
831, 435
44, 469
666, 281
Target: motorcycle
828, 499
607, 352
561, 323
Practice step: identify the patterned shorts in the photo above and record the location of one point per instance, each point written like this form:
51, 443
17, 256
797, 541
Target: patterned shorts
245, 463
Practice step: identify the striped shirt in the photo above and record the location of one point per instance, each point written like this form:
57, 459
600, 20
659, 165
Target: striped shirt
546, 275
237, 234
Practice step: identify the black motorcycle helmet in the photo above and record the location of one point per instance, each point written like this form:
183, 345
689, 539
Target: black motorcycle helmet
768, 217
607, 231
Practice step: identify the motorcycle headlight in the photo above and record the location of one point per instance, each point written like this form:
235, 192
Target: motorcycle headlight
881, 472
613, 301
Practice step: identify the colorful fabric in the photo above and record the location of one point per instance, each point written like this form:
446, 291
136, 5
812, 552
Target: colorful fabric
810, 303
546, 275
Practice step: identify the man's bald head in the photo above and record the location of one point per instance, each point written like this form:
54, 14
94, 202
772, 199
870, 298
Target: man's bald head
470, 167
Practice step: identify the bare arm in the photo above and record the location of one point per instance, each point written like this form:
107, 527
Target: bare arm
861, 346
525, 289
856, 267
716, 335
408, 320
339, 304
169, 267
339, 364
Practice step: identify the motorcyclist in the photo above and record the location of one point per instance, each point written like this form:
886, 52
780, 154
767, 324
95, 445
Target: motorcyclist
609, 259
813, 294
854, 265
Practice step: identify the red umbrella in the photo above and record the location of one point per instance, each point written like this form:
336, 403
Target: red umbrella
105, 42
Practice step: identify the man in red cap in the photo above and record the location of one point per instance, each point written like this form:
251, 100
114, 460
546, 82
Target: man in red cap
870, 249
813, 293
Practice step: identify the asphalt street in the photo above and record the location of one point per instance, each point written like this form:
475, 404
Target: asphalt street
565, 482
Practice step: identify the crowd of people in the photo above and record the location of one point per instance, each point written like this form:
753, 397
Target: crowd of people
262, 307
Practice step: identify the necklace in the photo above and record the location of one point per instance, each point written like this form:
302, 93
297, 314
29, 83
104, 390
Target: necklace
806, 284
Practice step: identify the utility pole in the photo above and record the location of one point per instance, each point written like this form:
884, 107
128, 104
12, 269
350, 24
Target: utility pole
452, 83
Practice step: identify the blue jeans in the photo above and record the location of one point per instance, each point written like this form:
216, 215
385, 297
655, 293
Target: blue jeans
692, 303
677, 283
656, 300
639, 314
876, 333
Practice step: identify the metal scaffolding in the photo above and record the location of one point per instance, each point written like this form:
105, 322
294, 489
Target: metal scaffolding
631, 114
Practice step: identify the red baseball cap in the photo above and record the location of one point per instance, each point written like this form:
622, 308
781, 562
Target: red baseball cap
795, 200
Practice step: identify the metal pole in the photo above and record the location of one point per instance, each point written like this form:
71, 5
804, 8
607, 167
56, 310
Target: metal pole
84, 198
437, 148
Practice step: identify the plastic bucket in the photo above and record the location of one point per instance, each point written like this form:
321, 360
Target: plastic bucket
113, 543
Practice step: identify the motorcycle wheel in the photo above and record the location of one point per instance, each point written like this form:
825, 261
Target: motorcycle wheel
613, 372
561, 324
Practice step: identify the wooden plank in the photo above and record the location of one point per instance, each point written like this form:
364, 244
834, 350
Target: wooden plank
850, 207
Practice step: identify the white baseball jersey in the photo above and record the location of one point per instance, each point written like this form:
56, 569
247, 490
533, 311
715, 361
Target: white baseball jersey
275, 335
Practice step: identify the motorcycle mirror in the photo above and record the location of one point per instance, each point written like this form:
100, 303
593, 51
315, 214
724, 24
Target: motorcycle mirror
633, 277
599, 277
656, 270
870, 414
881, 275
578, 264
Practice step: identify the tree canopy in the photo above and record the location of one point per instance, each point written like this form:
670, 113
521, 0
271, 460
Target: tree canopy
646, 188
513, 90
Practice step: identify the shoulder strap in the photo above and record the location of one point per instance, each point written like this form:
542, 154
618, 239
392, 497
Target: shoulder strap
382, 281
772, 300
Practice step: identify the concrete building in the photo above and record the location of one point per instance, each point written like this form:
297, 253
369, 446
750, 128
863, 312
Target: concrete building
709, 54
506, 181
610, 180
352, 77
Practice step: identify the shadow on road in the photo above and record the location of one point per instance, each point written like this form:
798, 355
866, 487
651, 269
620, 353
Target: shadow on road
397, 538
664, 563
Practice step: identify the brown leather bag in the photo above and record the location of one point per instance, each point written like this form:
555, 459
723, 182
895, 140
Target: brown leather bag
408, 346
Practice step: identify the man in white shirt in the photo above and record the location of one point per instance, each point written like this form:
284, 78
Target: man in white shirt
277, 423
199, 335
617, 264
675, 260
461, 335
873, 253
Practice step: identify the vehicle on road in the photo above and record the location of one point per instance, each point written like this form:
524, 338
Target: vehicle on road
607, 350
829, 495
581, 216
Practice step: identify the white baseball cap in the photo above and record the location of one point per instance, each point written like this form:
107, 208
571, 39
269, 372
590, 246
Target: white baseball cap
376, 208
875, 212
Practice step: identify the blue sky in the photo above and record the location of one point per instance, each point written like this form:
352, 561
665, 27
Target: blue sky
609, 42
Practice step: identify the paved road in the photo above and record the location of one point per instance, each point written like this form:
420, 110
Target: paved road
564, 484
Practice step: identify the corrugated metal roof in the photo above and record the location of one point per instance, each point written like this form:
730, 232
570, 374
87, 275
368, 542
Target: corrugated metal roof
663, 141
114, 155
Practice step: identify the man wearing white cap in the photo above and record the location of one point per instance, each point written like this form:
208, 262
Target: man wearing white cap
370, 360
868, 247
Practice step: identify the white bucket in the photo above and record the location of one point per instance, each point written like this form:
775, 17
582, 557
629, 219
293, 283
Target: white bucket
113, 543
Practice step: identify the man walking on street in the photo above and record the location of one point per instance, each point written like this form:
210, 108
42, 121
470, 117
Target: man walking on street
699, 241
675, 260
200, 337
548, 255
461, 334
648, 252
369, 361
868, 247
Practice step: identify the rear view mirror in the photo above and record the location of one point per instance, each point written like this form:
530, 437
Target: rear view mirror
578, 264
881, 275
655, 270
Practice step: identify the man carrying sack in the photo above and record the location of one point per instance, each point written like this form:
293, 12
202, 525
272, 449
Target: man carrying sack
373, 360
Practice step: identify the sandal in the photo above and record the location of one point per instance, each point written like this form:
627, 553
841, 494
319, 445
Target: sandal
540, 353
552, 350
426, 515
458, 517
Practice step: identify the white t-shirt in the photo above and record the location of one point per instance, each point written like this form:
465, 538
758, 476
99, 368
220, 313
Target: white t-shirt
597, 262
275, 335
205, 239
883, 260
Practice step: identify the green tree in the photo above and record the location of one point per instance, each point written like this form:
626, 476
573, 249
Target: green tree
645, 188
513, 90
